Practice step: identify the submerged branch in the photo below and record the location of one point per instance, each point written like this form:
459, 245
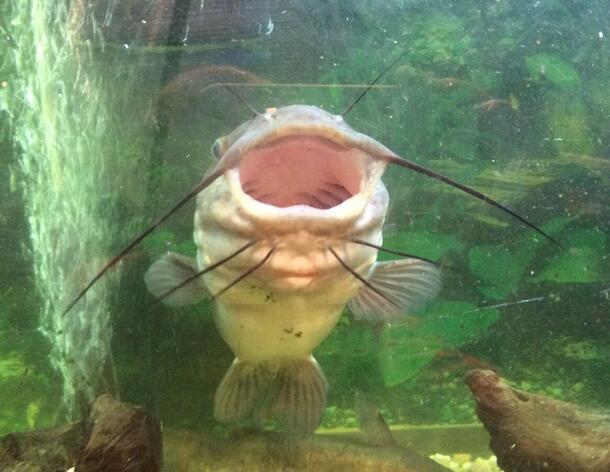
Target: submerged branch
532, 432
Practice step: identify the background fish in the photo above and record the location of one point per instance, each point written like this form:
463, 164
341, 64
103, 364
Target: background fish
279, 240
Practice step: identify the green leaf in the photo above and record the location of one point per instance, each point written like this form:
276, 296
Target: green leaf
500, 269
406, 349
568, 119
458, 323
554, 69
423, 243
404, 353
580, 263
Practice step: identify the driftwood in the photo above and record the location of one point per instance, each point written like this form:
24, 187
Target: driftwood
124, 437
44, 450
535, 433
117, 437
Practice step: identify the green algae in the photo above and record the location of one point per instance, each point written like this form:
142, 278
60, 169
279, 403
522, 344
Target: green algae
554, 69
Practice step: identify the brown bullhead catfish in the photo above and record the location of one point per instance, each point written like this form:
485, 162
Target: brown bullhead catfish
299, 188
287, 226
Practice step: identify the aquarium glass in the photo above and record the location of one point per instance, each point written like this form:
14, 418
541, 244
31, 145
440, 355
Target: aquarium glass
109, 111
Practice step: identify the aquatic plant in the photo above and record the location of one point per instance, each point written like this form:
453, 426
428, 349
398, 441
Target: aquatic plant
583, 350
498, 269
552, 68
12, 366
582, 263
75, 158
406, 349
548, 55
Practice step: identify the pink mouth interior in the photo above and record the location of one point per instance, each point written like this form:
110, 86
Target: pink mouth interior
302, 170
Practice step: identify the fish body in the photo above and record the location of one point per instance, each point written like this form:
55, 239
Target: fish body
299, 186
511, 103
289, 305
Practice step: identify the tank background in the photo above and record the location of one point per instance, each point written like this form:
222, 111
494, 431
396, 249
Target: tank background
548, 159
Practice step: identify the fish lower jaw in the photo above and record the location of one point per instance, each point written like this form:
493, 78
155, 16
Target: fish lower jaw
274, 220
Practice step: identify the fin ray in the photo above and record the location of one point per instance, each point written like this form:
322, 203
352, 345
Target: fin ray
300, 398
168, 272
242, 390
409, 283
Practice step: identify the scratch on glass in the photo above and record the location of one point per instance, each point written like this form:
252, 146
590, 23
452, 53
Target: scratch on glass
270, 27
109, 13
503, 305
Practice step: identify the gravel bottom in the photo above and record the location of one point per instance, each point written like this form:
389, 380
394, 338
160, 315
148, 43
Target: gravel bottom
463, 462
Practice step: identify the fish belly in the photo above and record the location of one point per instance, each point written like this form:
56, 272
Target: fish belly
290, 326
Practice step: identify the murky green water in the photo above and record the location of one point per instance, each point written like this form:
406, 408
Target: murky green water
107, 116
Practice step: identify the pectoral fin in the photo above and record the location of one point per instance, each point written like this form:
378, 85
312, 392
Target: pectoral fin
404, 286
167, 273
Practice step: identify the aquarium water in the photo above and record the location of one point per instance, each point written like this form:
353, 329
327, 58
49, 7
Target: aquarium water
112, 111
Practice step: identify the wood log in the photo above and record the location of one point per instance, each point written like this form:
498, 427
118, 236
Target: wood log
117, 437
124, 437
536, 433
43, 450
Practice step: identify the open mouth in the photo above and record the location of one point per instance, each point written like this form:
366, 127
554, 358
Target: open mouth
302, 170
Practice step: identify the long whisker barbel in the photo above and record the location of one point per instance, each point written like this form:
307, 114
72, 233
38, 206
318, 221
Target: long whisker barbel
247, 273
362, 279
392, 251
242, 100
249, 244
372, 84
402, 162
205, 182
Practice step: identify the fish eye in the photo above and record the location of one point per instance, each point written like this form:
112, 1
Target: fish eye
217, 149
